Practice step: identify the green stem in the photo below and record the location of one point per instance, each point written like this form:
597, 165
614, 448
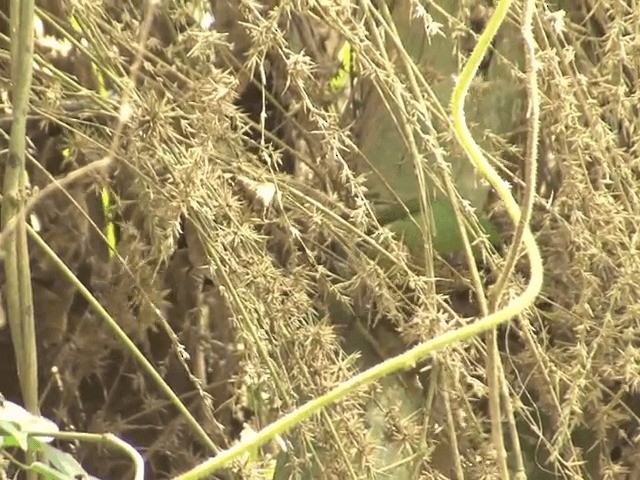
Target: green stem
126, 342
18, 273
103, 439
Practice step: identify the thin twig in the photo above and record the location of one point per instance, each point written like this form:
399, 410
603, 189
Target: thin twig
451, 426
131, 347
61, 184
531, 160
493, 367
124, 115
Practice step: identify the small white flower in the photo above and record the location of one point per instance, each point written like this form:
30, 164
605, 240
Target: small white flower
466, 204
126, 111
265, 193
35, 222
419, 11
557, 21
431, 27
206, 22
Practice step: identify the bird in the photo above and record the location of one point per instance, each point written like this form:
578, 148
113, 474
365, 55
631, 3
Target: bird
445, 234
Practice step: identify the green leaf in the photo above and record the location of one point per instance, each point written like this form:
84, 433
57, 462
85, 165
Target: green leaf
63, 462
16, 438
49, 473
23, 422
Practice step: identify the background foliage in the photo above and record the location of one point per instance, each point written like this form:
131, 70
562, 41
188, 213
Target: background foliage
248, 191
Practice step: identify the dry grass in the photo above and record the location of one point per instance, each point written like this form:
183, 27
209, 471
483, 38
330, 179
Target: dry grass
278, 297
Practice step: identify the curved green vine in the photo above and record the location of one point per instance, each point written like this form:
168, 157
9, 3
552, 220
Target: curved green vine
411, 357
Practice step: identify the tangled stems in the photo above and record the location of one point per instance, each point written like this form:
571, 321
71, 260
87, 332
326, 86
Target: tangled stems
411, 357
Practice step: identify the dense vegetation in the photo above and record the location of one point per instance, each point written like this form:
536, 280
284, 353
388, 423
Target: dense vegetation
266, 198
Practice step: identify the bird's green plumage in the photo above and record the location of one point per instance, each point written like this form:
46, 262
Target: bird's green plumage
446, 236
